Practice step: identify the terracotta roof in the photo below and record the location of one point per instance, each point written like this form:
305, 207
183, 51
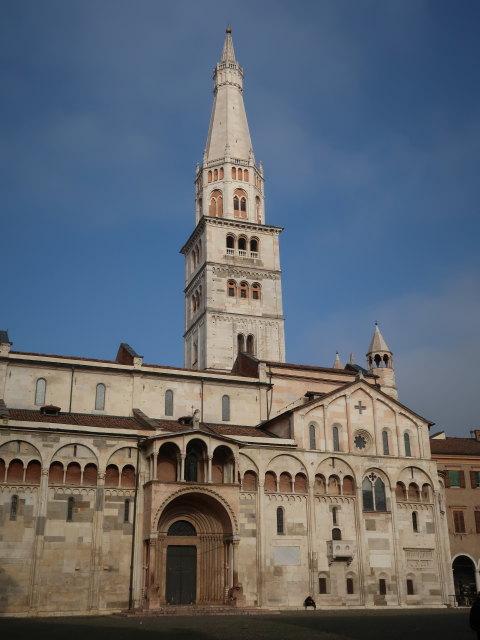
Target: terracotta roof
53, 355
78, 419
455, 446
309, 367
220, 429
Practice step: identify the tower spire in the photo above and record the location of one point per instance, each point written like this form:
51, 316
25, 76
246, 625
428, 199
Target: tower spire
233, 292
228, 53
228, 122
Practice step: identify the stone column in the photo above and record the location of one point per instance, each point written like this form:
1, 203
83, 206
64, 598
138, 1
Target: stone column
235, 543
312, 560
96, 552
182, 467
38, 544
138, 561
396, 548
360, 543
260, 541
209, 468
349, 423
443, 547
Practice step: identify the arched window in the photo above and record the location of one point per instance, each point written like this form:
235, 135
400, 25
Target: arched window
410, 587
243, 290
386, 449
242, 244
100, 397
400, 491
240, 343
335, 439
112, 476
300, 484
415, 521
56, 473
234, 173
336, 534
280, 521
350, 586
70, 505
169, 402
231, 289
225, 408
40, 392
221, 173
256, 291
216, 203
15, 471
249, 481
285, 482
245, 175
209, 179
320, 485
311, 433
215, 174
231, 242
251, 345
253, 245
239, 174
240, 203
348, 486
74, 473
270, 481
373, 493
408, 450
127, 479
413, 492
33, 472
334, 515
90, 475
126, 510
13, 508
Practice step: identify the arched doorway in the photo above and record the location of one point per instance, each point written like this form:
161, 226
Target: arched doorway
464, 580
195, 559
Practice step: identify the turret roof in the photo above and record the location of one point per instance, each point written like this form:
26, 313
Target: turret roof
378, 343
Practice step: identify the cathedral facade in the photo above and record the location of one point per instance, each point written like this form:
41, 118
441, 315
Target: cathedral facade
237, 480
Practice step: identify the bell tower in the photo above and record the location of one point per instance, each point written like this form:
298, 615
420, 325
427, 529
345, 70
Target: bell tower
380, 362
233, 293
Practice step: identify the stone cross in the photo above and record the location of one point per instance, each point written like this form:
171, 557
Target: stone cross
360, 407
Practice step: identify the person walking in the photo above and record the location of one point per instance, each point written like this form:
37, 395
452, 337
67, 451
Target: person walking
475, 615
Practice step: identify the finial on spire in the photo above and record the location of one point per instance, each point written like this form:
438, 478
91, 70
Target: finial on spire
352, 359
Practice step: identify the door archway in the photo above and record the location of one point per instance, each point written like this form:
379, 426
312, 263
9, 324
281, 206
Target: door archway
464, 580
196, 556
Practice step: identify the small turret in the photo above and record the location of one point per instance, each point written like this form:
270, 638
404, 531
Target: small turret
338, 363
380, 362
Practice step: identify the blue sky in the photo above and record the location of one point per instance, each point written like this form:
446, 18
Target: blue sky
366, 115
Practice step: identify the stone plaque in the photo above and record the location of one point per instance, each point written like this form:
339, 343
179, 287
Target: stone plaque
286, 555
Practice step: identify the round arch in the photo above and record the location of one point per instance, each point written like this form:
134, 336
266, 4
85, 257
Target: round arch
195, 530
464, 570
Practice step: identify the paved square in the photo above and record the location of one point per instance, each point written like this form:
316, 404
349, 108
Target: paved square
300, 625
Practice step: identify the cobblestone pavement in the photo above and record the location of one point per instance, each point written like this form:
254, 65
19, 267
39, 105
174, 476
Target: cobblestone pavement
438, 624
